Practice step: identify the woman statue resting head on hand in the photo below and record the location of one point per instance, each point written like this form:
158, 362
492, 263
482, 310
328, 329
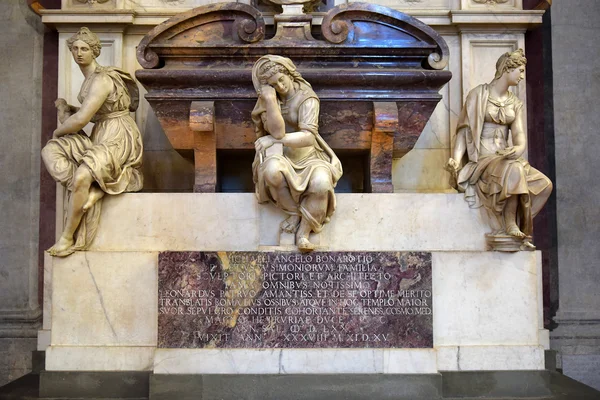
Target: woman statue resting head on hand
300, 178
488, 168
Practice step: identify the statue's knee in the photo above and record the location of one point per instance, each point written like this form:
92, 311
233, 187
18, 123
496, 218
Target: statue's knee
82, 179
272, 173
517, 171
320, 182
48, 152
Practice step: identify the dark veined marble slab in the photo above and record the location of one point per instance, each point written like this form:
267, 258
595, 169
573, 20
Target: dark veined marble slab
295, 300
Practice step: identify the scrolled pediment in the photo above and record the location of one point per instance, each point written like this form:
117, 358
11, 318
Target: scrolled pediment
214, 25
371, 25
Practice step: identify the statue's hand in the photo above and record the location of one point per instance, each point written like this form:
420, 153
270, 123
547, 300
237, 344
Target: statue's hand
60, 103
56, 135
509, 152
263, 143
63, 109
268, 93
452, 165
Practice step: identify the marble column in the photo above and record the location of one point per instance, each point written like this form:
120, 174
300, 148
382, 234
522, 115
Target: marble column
576, 77
20, 119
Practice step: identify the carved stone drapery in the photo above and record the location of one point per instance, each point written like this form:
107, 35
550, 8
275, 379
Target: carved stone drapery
363, 53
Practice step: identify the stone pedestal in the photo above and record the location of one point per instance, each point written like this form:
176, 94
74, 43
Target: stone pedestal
104, 309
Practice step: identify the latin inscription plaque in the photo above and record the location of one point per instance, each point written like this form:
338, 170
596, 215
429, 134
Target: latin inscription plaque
294, 300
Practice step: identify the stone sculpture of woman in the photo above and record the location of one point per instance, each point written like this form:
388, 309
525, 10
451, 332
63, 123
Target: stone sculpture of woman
300, 180
109, 160
491, 171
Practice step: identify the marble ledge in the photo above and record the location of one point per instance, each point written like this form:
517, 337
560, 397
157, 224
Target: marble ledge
490, 358
71, 20
492, 20
99, 358
294, 361
182, 222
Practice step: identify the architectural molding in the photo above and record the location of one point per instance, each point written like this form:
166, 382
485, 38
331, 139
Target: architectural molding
20, 323
130, 19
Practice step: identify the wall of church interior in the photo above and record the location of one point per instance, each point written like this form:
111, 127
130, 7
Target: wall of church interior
576, 120
20, 111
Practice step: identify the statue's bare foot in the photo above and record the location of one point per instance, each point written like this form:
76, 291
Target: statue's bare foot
95, 194
513, 230
304, 245
290, 224
527, 245
62, 248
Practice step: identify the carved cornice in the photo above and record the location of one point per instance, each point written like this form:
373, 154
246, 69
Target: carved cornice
508, 19
141, 21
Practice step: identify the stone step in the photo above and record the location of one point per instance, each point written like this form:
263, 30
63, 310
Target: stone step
489, 385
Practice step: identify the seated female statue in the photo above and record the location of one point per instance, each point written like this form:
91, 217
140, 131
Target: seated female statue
301, 179
495, 175
109, 160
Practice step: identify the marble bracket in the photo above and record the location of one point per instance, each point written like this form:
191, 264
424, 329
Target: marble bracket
385, 126
202, 124
293, 24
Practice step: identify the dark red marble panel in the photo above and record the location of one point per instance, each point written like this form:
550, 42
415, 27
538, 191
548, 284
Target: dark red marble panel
382, 146
294, 300
413, 117
47, 222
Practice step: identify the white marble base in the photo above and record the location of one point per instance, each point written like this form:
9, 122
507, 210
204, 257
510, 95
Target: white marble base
101, 358
486, 298
490, 358
485, 308
105, 299
43, 339
294, 361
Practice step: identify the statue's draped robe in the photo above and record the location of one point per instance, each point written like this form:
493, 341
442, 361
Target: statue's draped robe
112, 153
488, 179
297, 173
